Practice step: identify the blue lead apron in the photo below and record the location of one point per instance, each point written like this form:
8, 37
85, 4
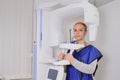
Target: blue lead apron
87, 55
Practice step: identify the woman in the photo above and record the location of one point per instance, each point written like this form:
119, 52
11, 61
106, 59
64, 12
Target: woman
84, 61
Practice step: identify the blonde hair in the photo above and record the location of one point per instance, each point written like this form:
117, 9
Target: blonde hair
82, 24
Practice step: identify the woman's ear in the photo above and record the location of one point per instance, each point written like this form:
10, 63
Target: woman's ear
85, 33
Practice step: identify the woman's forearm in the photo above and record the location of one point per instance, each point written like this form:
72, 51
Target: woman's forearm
85, 68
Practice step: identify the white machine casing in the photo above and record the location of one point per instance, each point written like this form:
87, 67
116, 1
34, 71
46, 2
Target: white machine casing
66, 47
51, 22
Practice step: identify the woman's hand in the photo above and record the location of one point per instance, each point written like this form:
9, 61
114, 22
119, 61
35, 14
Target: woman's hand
61, 56
69, 57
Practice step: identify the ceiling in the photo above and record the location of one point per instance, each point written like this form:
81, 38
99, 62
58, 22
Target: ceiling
97, 3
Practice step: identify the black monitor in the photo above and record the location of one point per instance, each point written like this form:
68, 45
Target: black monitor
52, 74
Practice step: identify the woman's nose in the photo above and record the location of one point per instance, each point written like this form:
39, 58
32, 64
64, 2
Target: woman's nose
77, 32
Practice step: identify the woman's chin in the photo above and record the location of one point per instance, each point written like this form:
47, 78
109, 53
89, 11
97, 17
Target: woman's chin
78, 39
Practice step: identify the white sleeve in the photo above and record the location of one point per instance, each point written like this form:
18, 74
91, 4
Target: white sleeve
85, 68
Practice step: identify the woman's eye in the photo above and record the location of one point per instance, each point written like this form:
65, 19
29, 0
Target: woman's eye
75, 30
80, 30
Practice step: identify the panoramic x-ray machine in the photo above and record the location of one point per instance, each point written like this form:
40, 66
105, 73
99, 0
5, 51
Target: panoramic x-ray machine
54, 22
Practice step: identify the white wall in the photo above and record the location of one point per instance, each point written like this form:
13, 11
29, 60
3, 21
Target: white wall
15, 37
109, 41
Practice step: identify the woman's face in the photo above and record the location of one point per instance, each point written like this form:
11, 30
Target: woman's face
79, 32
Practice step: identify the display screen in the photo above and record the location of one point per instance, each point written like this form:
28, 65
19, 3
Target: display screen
52, 74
